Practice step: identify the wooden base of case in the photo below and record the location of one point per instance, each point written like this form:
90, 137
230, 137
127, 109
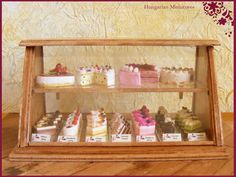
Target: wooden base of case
117, 153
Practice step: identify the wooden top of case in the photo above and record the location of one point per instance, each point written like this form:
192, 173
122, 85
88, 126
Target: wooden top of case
119, 42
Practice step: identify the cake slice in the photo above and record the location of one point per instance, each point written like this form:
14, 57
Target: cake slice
144, 124
71, 125
96, 123
100, 75
49, 124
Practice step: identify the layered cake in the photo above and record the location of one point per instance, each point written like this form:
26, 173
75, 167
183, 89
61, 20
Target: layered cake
120, 125
165, 121
58, 76
144, 124
135, 74
188, 122
71, 125
49, 124
101, 75
130, 76
176, 75
96, 123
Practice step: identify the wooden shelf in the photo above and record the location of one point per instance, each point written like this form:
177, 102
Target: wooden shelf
157, 87
121, 42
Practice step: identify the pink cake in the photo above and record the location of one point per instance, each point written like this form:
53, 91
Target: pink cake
144, 124
130, 76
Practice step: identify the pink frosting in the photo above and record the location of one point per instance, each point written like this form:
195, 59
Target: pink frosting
149, 80
147, 121
129, 78
149, 73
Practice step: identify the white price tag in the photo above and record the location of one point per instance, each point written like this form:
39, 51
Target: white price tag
40, 137
121, 137
167, 137
96, 139
197, 136
67, 139
146, 138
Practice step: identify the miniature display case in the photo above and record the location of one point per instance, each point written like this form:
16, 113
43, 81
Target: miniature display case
167, 143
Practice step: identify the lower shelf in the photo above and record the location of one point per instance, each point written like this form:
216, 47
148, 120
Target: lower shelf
117, 153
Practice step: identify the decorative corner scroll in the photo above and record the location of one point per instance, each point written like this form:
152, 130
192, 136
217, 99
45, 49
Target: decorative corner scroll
220, 14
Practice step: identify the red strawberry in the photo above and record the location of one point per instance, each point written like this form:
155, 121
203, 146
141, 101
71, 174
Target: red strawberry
74, 122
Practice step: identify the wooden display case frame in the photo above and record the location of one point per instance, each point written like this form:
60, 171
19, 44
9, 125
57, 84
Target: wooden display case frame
33, 107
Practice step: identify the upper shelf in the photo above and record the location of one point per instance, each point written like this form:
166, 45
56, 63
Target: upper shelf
116, 89
119, 42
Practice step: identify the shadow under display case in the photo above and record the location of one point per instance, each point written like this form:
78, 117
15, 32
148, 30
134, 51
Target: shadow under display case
189, 129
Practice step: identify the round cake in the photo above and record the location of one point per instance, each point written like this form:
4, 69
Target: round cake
176, 76
56, 77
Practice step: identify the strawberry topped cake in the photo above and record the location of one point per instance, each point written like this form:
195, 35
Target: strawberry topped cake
58, 76
71, 125
144, 124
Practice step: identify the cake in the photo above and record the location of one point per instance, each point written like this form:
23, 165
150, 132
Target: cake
96, 123
120, 125
149, 73
165, 121
188, 121
58, 76
130, 76
100, 75
144, 124
176, 75
71, 125
49, 124
135, 74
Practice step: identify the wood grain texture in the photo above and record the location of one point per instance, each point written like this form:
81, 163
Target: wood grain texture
115, 42
187, 167
37, 101
26, 97
117, 88
214, 102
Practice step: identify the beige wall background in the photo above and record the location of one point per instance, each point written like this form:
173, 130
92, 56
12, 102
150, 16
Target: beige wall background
110, 20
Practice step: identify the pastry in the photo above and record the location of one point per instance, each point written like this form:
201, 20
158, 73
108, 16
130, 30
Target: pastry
101, 75
176, 75
188, 122
120, 125
96, 123
135, 74
130, 76
49, 124
144, 124
58, 76
165, 121
71, 125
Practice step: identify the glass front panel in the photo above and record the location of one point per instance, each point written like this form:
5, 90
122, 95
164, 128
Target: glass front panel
123, 95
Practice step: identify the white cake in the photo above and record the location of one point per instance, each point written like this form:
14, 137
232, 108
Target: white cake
52, 81
176, 76
71, 126
96, 75
56, 77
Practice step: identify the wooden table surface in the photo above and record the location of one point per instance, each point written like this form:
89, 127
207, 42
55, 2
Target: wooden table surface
199, 167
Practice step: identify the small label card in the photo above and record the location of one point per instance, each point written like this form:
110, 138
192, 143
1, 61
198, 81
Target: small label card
167, 137
121, 137
197, 137
96, 139
146, 138
40, 137
67, 139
